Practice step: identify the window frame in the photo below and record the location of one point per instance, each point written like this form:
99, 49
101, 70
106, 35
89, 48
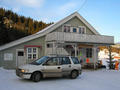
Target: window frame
20, 53
73, 60
81, 30
89, 52
67, 25
32, 53
73, 29
61, 61
49, 45
58, 61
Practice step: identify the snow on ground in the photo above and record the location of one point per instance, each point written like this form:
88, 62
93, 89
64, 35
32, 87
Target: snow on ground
89, 80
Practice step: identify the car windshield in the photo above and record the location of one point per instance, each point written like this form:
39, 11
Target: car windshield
40, 60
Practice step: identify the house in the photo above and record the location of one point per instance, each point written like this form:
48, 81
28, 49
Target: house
72, 35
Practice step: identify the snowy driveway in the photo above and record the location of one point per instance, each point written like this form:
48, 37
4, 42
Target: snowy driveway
89, 80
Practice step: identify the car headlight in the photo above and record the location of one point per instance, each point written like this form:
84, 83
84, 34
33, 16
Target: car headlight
24, 70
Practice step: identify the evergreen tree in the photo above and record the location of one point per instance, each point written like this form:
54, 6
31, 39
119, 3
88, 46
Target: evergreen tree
14, 26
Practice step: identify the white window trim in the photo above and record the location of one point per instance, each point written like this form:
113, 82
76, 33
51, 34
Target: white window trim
32, 53
82, 27
66, 25
72, 29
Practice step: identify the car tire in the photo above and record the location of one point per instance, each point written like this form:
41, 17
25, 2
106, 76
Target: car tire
74, 74
36, 77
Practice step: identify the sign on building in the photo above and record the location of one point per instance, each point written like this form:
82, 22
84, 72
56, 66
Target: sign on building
8, 56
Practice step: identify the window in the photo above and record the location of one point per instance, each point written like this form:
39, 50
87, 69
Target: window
29, 56
66, 28
34, 56
34, 50
32, 53
65, 60
20, 53
8, 56
75, 60
82, 30
29, 50
75, 30
50, 45
40, 60
53, 61
89, 52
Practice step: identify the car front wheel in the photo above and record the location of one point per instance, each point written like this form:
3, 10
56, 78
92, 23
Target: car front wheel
36, 77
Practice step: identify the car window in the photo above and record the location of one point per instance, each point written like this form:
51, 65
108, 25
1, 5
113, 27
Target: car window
52, 61
75, 60
40, 60
65, 60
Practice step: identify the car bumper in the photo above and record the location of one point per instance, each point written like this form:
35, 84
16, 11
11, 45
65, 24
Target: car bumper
23, 75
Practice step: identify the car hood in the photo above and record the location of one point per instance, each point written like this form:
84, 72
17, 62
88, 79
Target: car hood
28, 66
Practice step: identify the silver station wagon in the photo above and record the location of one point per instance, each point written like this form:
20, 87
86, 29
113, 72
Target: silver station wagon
47, 66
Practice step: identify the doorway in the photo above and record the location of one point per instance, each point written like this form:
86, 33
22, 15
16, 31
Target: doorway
20, 57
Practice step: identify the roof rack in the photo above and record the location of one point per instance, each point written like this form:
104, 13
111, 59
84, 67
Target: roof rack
57, 55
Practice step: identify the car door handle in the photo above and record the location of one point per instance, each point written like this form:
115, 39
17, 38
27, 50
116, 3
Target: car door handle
58, 67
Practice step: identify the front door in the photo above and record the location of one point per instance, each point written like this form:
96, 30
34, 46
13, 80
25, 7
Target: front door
20, 57
52, 68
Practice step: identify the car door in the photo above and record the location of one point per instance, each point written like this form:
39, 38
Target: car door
66, 65
52, 68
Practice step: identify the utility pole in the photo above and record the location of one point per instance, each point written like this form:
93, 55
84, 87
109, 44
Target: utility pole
110, 57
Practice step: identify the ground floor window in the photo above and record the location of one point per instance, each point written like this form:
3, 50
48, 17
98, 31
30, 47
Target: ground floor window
89, 52
32, 53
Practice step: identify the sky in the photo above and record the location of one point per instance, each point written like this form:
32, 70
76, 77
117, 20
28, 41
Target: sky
103, 15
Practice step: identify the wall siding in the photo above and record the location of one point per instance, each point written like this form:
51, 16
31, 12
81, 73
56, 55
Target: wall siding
12, 64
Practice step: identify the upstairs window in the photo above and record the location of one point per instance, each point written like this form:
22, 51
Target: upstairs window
66, 28
74, 30
82, 30
49, 45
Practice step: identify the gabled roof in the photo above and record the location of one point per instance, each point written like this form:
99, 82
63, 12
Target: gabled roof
48, 30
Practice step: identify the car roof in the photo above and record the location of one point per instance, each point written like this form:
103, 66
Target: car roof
60, 56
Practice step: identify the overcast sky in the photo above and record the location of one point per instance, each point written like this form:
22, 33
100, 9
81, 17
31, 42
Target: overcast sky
103, 15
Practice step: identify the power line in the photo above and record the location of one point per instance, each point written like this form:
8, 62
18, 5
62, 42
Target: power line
82, 5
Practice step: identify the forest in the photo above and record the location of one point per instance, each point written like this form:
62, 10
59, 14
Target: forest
14, 26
